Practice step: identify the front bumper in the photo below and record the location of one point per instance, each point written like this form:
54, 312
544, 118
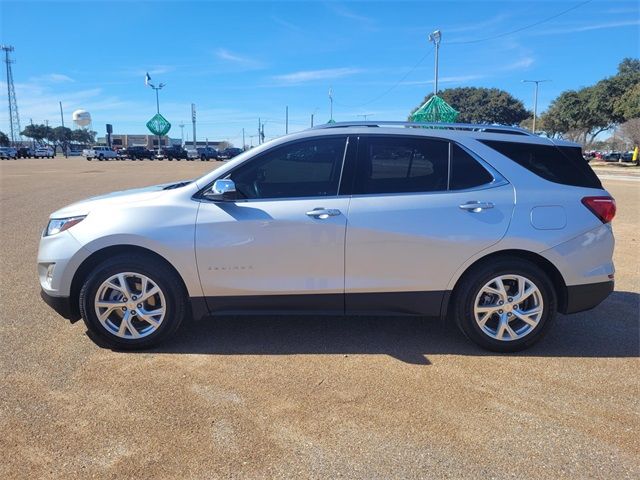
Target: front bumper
587, 296
62, 305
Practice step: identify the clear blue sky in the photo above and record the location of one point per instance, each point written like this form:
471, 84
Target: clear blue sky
238, 61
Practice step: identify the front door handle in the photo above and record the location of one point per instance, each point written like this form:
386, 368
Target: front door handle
476, 207
323, 213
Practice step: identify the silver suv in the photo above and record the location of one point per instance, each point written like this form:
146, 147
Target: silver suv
491, 227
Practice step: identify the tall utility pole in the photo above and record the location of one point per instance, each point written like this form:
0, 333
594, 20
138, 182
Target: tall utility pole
436, 37
286, 120
181, 134
14, 118
61, 115
193, 120
259, 127
535, 100
312, 120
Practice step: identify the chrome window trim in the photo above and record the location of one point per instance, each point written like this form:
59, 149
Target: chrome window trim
486, 186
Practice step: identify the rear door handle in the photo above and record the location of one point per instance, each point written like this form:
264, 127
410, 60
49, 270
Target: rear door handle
323, 213
476, 207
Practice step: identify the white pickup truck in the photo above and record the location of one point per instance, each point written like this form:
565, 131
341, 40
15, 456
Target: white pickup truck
99, 152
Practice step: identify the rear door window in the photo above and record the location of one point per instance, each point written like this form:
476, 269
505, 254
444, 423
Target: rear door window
401, 165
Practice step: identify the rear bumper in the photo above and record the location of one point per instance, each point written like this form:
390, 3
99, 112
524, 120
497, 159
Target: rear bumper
586, 297
62, 306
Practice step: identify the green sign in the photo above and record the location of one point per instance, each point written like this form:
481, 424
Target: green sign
158, 125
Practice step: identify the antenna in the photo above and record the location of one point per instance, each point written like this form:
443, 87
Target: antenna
14, 118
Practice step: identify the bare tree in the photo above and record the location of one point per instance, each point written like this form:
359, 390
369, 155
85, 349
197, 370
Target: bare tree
630, 132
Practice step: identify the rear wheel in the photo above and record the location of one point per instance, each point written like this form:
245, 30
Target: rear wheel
506, 305
132, 302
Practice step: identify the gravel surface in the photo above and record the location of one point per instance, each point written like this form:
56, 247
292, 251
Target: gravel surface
290, 397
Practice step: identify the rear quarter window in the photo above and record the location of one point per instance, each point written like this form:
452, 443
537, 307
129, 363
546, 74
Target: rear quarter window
563, 165
466, 172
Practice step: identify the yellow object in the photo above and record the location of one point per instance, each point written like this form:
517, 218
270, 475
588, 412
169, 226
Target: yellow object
635, 155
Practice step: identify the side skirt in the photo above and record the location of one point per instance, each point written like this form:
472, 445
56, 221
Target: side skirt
428, 304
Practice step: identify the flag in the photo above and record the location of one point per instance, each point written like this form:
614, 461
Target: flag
147, 79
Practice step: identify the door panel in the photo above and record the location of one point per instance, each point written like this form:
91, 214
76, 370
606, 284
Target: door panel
271, 248
409, 229
415, 242
282, 246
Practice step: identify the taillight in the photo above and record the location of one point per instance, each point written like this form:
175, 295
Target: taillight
602, 207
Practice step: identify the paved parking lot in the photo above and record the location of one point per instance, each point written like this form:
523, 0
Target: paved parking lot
304, 397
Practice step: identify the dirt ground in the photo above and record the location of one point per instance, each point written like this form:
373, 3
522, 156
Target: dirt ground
294, 397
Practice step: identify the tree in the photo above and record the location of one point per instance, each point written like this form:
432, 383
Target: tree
4, 140
629, 66
61, 136
584, 114
83, 136
630, 132
483, 105
628, 105
37, 132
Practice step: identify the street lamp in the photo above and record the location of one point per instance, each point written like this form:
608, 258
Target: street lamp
436, 37
330, 104
535, 100
158, 88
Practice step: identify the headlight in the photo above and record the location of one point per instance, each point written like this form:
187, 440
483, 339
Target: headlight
57, 225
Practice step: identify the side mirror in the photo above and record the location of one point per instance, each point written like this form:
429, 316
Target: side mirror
223, 190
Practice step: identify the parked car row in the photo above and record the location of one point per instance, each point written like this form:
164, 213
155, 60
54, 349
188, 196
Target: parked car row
612, 156
13, 153
174, 152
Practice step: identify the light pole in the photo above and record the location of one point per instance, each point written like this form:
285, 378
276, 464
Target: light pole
193, 121
535, 100
330, 104
157, 89
436, 37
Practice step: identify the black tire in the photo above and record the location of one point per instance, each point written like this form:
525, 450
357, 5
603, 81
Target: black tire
469, 287
164, 277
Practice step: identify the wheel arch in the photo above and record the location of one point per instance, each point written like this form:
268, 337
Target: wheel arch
544, 264
93, 260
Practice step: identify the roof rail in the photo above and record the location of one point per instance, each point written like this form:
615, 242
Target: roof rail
473, 127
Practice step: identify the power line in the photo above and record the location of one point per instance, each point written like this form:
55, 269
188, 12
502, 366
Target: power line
511, 32
390, 89
500, 35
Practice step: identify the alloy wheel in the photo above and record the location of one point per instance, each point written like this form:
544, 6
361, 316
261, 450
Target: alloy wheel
130, 305
508, 307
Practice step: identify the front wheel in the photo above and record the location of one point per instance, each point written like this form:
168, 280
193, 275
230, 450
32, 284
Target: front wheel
506, 305
132, 302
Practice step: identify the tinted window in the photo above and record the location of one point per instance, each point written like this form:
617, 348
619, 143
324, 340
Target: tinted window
563, 165
301, 169
400, 165
466, 172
